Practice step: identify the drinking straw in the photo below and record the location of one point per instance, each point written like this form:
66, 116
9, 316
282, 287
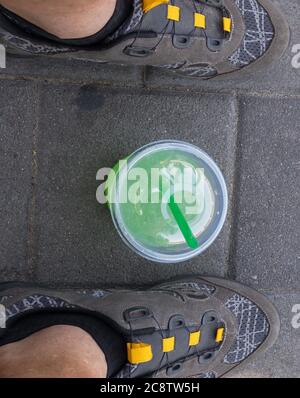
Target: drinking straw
183, 224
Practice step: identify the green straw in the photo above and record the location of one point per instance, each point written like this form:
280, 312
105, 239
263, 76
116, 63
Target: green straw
183, 224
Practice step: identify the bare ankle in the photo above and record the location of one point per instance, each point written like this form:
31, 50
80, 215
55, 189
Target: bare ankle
55, 352
66, 19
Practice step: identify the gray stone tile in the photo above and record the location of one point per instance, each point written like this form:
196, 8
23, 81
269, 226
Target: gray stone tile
279, 77
72, 70
84, 129
17, 122
268, 213
281, 360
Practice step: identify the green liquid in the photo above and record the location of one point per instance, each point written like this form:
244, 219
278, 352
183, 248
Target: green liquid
153, 224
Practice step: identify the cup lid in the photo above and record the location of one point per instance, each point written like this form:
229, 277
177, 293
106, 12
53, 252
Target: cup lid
169, 201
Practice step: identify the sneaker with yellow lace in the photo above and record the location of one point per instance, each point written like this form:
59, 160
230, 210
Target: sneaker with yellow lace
193, 327
197, 38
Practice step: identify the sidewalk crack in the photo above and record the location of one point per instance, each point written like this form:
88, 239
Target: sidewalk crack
31, 240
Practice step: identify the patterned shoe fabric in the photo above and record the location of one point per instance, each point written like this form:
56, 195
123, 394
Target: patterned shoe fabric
253, 328
258, 36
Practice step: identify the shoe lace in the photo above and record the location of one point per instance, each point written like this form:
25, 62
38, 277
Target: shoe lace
165, 360
199, 7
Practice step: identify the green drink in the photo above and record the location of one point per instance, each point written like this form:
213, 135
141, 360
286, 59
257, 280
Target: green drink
168, 201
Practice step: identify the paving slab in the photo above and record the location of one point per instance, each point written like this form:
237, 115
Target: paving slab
79, 71
17, 124
84, 129
267, 251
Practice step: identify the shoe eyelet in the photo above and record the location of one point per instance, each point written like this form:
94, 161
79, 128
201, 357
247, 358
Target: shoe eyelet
214, 44
176, 322
137, 313
206, 357
181, 41
174, 369
210, 318
139, 52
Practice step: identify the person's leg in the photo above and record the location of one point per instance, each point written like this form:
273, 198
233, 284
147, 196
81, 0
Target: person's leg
66, 19
55, 352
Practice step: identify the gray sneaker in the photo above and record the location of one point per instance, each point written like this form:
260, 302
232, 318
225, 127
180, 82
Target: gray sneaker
197, 38
193, 327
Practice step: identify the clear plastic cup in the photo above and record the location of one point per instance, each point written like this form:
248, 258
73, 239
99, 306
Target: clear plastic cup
178, 212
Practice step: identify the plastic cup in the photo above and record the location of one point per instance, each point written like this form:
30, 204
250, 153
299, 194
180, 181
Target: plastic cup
179, 209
